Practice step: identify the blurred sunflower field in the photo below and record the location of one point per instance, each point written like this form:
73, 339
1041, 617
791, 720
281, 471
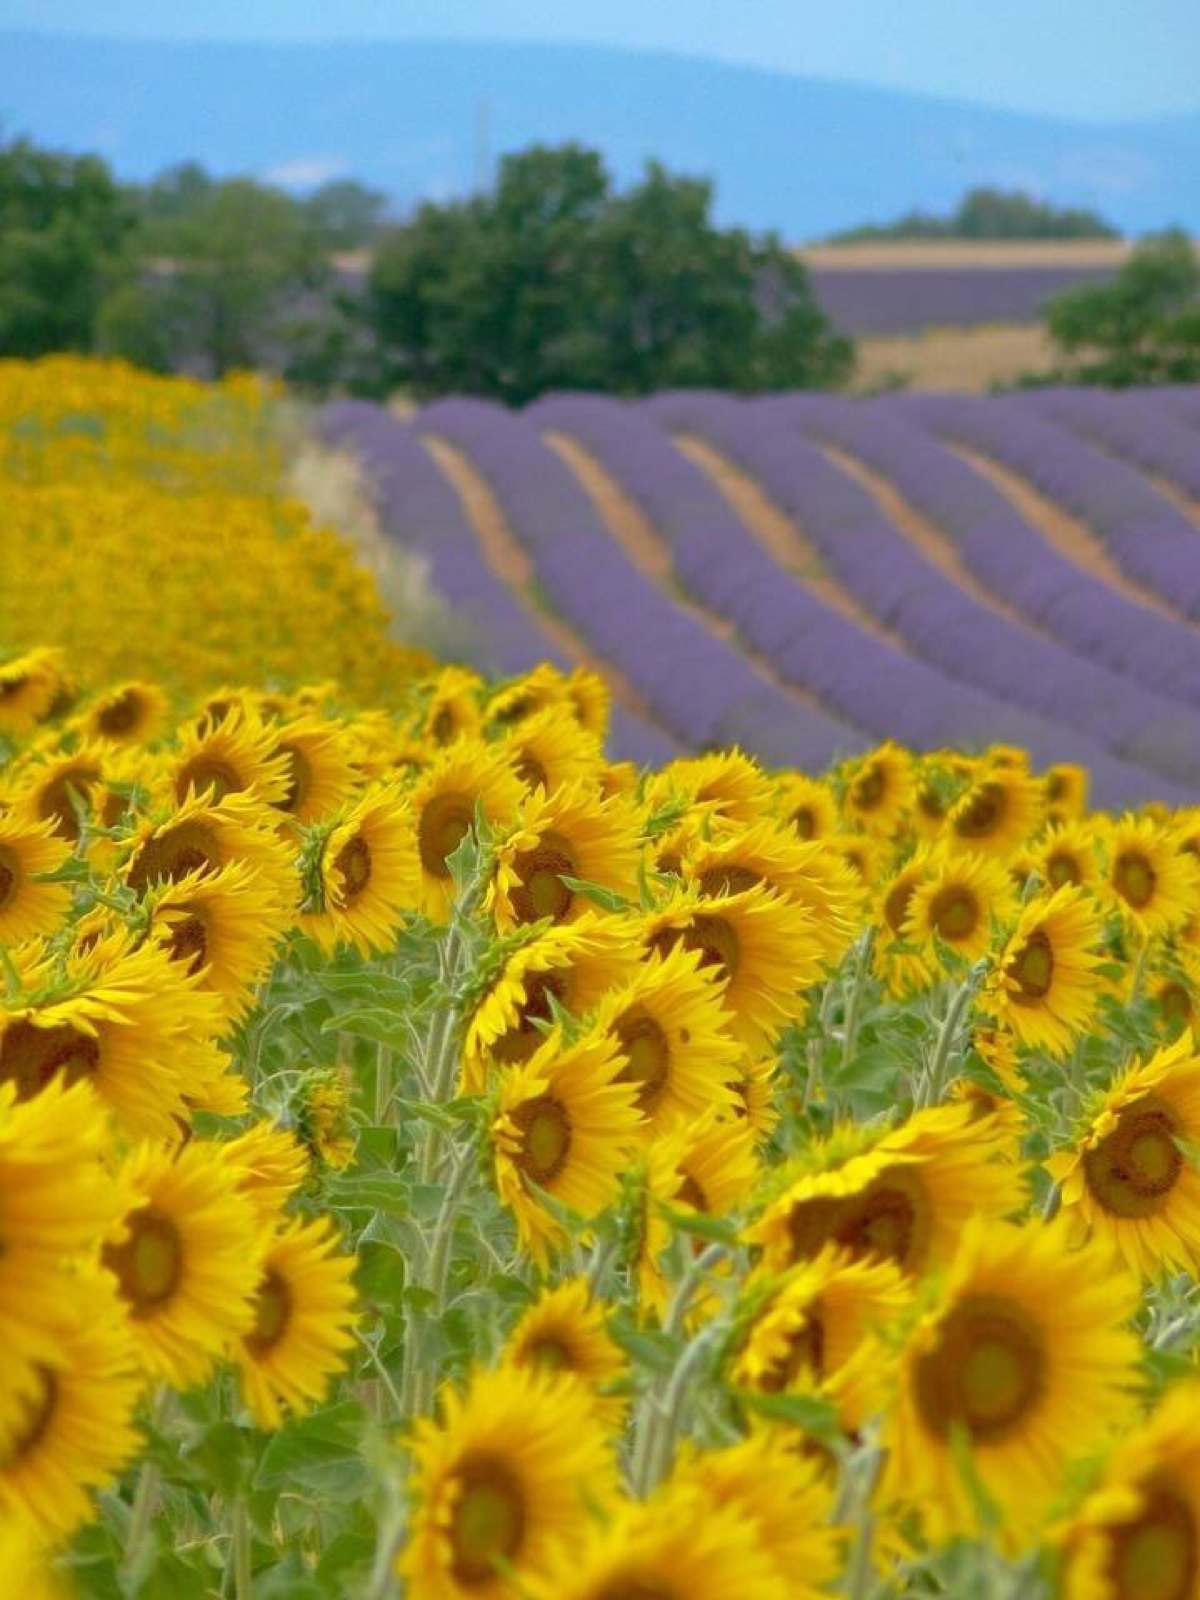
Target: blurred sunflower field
437, 1160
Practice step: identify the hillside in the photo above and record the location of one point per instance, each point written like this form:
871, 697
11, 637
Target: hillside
811, 156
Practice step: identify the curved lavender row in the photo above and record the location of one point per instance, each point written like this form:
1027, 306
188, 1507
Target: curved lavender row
418, 508
701, 689
1011, 660
920, 706
1181, 399
1148, 538
1126, 423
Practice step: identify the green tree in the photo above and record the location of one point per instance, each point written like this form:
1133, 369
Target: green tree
553, 281
1142, 328
984, 213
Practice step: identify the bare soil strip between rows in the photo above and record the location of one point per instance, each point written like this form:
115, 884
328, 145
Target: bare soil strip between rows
1062, 530
780, 536
1188, 505
508, 559
637, 536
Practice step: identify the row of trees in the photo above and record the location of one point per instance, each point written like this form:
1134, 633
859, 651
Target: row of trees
997, 214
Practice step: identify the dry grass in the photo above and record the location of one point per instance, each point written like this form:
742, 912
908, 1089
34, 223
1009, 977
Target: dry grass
964, 360
994, 254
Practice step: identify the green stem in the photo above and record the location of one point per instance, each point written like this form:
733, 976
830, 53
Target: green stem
854, 999
664, 1420
241, 1555
947, 1037
383, 1083
859, 1580
142, 1514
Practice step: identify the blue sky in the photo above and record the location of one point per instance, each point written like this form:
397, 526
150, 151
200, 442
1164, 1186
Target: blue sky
1094, 59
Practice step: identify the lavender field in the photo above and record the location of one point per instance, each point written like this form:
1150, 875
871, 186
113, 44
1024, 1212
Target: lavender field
804, 575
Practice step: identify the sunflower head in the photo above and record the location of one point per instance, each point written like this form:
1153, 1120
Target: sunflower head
1044, 986
130, 714
878, 790
998, 812
1149, 878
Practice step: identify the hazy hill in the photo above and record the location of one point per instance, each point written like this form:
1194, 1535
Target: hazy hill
802, 155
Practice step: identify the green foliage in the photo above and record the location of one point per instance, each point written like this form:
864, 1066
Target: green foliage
988, 214
553, 281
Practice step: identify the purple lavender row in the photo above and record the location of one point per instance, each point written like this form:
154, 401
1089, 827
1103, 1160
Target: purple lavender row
966, 638
702, 690
420, 510
1127, 424
911, 699
1181, 399
903, 299
1149, 540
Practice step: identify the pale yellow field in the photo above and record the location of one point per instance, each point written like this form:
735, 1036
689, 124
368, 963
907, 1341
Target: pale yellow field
968, 360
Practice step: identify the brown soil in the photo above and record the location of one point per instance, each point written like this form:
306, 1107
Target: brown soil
986, 254
1068, 534
1186, 504
509, 561
780, 536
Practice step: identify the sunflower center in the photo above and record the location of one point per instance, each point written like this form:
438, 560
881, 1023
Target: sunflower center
985, 1372
207, 772
811, 1224
272, 1314
728, 880
1154, 1557
31, 1056
803, 1358
120, 715
888, 1220
1055, 786
634, 1587
804, 822
1133, 1170
954, 913
1033, 969
531, 771
540, 891
149, 1264
10, 876
929, 803
445, 823
299, 778
551, 1354
173, 853
32, 1419
896, 904
188, 941
55, 800
868, 788
647, 1056
983, 812
717, 941
10, 688
487, 1524
352, 865
1062, 869
691, 1194
519, 1043
546, 1138
441, 729
1134, 878
1174, 1002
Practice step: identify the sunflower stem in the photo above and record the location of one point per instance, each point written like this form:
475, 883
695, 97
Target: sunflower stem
859, 1581
383, 1083
142, 1514
854, 998
240, 1554
664, 1419
930, 1091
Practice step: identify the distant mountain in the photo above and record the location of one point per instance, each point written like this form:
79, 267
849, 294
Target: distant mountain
417, 118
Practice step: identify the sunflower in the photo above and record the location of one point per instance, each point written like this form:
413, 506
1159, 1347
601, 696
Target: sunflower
997, 1048
321, 775
591, 700
549, 749
1066, 790
1000, 810
730, 785
1066, 853
861, 853
901, 1194
957, 901
761, 947
269, 1164
754, 1090
902, 968
509, 1472
28, 907
221, 927
128, 1021
467, 778
544, 686
1149, 879
29, 686
1023, 1351
1127, 1183
67, 1427
781, 1495
937, 784
573, 965
130, 714
878, 789
1044, 986
186, 1258
369, 876
303, 1322
24, 1567
807, 806
810, 1329
1135, 1534
56, 787
567, 834
566, 1125
324, 1118
453, 709
672, 1036
566, 1331
199, 836
1174, 995
236, 755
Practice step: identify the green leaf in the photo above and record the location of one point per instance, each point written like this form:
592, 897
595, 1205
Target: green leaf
320, 1453
374, 1191
607, 898
386, 1027
382, 1273
223, 1457
805, 1411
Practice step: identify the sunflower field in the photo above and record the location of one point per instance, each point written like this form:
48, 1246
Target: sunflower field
439, 1160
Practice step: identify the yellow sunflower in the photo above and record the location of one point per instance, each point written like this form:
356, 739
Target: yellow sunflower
29, 908
549, 748
900, 966
672, 1035
1044, 987
1023, 1353
67, 1426
25, 1569
509, 1472
567, 834
1175, 995
370, 876
1065, 854
566, 1125
468, 777
199, 836
808, 806
591, 700
1135, 1534
957, 901
1066, 788
997, 813
132, 713
566, 1331
29, 686
269, 1164
867, 857
523, 697
321, 775
56, 786
1127, 1183
186, 1258
878, 789
901, 1194
303, 1322
1149, 879
453, 709
761, 947
236, 755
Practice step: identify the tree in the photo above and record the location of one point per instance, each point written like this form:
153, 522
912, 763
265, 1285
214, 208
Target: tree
1142, 328
553, 281
988, 214
344, 215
